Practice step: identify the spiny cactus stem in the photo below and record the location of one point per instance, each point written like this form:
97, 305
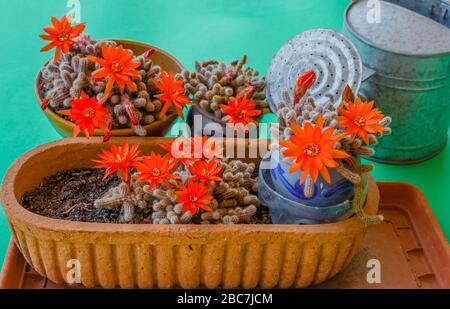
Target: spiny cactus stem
44, 104
129, 108
148, 53
249, 91
308, 190
206, 63
348, 174
230, 76
107, 133
366, 168
358, 207
241, 63
353, 163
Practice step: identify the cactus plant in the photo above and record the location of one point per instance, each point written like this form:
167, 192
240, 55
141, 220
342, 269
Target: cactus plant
199, 190
214, 84
78, 68
322, 137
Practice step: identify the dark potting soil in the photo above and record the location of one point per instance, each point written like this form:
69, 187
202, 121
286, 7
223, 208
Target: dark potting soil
70, 195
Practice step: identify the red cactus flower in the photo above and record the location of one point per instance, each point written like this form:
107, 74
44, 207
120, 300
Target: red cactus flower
87, 114
360, 119
120, 159
172, 93
117, 67
240, 110
156, 169
311, 148
61, 35
304, 82
194, 196
206, 171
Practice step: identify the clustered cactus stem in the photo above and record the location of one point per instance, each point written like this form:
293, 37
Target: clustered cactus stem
232, 194
63, 80
213, 83
234, 200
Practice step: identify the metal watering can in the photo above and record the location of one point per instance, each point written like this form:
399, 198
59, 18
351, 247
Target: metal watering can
410, 58
405, 68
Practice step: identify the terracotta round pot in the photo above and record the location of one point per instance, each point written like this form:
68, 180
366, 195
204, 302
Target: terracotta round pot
165, 256
158, 128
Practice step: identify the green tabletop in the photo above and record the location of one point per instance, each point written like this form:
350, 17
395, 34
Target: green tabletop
190, 30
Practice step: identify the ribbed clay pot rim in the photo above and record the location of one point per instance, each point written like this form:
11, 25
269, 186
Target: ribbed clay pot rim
16, 212
169, 118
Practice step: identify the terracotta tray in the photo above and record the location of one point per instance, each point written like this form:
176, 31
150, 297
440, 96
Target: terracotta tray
411, 248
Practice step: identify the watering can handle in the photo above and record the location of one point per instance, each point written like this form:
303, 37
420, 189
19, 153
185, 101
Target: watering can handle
366, 74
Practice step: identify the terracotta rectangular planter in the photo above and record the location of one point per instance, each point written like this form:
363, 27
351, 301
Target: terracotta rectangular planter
165, 256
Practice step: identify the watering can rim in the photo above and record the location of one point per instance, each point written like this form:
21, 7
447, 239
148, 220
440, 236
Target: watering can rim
351, 29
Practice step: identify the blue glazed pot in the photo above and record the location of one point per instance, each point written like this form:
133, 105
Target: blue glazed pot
287, 208
338, 191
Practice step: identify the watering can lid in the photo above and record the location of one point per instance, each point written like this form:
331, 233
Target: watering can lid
330, 54
393, 28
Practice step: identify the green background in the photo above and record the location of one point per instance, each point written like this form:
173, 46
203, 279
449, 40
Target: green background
188, 29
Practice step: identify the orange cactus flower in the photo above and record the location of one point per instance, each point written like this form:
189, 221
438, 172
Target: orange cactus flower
172, 93
304, 82
87, 114
117, 67
61, 35
190, 150
240, 110
360, 119
206, 171
311, 148
194, 196
156, 169
120, 159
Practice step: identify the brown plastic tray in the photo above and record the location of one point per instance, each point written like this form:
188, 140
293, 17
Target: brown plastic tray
412, 250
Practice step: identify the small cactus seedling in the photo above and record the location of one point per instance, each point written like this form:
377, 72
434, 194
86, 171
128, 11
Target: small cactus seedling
184, 186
